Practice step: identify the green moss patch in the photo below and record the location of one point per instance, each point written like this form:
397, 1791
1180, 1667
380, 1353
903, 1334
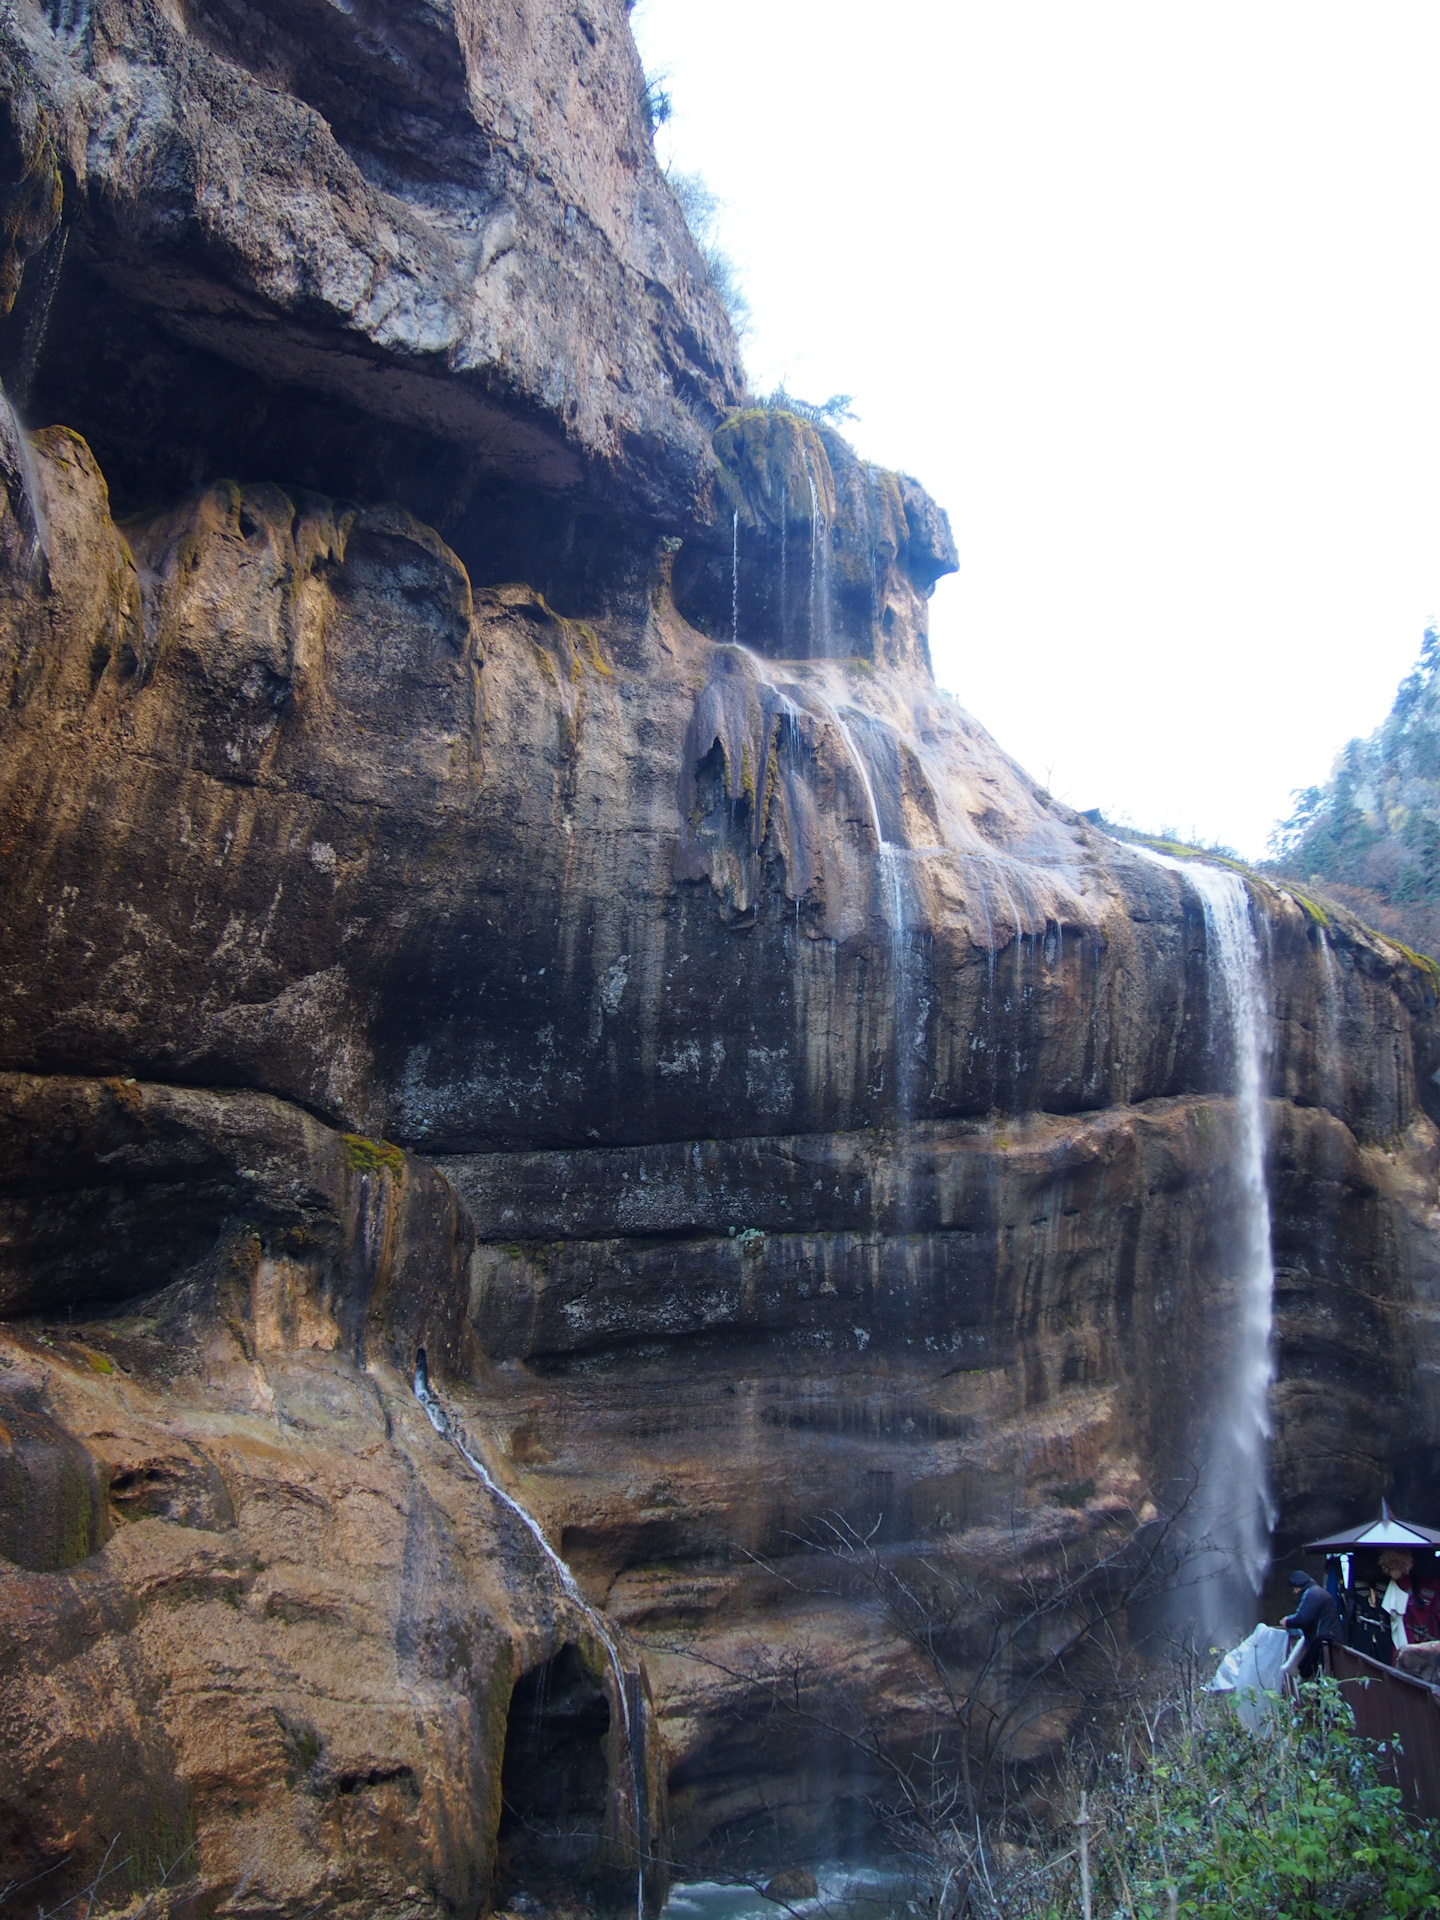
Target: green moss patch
372, 1156
1420, 961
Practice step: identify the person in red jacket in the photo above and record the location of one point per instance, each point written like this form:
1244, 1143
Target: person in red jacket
1422, 1616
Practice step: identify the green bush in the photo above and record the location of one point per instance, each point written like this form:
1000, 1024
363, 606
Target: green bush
1205, 1818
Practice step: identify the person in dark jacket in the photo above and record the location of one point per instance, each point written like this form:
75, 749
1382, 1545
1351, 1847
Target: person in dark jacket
1367, 1625
1317, 1617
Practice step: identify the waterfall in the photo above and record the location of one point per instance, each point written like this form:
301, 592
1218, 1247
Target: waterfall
735, 578
1331, 1010
814, 524
1239, 1512
784, 542
874, 559
819, 570
449, 1428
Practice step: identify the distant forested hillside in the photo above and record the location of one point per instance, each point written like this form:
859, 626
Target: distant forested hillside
1371, 835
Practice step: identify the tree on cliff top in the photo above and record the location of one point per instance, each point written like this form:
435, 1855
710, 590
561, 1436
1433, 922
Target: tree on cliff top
1371, 834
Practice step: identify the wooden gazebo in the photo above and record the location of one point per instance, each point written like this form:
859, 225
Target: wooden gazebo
1386, 1702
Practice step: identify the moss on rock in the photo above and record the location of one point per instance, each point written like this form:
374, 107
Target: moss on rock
774, 469
371, 1156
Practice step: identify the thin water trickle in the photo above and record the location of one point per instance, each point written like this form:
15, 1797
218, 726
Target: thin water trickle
1240, 1512
32, 343
449, 1428
857, 760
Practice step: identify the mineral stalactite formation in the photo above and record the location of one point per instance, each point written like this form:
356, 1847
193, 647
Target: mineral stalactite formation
488, 869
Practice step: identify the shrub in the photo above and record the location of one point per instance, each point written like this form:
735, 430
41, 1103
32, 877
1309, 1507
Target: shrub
702, 210
1202, 1817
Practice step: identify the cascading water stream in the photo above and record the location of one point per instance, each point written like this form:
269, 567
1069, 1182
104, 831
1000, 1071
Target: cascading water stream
449, 1428
1239, 1512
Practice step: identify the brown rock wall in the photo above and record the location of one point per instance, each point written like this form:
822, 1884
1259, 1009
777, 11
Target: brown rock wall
449, 222
288, 806
531, 763
263, 1623
817, 1119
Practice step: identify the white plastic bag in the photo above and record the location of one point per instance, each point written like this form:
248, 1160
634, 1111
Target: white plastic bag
1251, 1671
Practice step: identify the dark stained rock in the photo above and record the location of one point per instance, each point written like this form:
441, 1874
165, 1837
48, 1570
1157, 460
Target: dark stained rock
114, 1190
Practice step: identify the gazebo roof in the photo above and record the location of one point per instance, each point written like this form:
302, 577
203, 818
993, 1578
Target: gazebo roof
1387, 1531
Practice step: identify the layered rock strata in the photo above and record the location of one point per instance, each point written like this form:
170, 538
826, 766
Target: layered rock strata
501, 880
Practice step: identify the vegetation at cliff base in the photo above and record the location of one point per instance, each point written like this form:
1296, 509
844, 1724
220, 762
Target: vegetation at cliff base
1199, 1816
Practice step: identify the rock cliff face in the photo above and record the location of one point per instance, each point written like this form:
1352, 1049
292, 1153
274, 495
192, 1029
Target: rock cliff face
498, 877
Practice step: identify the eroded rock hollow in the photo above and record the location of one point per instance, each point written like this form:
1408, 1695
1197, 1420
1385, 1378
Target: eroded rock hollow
488, 870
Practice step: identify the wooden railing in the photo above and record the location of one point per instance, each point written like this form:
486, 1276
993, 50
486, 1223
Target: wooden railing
1403, 1712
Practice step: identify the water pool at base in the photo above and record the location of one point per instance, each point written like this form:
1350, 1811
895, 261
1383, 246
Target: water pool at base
846, 1892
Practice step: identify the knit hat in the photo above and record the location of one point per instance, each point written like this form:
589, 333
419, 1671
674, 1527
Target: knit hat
1299, 1578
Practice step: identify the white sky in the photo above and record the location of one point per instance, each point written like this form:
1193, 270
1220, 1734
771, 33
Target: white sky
1148, 295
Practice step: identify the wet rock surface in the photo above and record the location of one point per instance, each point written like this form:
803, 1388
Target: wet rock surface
497, 877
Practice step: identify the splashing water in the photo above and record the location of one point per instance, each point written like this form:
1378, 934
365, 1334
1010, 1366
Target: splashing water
1240, 1511
449, 1428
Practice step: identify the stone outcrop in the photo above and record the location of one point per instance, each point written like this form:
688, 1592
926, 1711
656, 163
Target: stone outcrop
407, 251
497, 877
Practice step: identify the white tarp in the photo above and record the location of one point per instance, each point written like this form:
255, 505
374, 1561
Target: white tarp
1252, 1670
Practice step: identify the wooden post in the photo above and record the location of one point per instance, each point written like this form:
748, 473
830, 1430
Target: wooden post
1082, 1824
